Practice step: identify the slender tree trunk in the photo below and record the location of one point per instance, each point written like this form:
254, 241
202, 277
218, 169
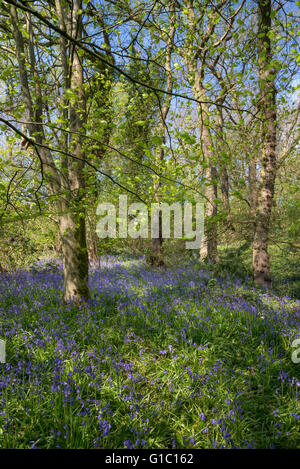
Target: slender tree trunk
225, 201
156, 257
92, 240
224, 178
209, 248
261, 261
33, 111
252, 190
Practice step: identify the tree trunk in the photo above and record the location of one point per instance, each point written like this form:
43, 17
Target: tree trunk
224, 178
209, 248
252, 190
91, 239
225, 201
72, 223
75, 261
66, 183
261, 261
156, 257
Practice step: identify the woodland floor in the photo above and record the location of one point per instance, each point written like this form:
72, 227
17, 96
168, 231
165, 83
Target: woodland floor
175, 358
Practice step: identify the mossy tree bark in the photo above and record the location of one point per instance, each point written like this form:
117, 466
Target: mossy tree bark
261, 261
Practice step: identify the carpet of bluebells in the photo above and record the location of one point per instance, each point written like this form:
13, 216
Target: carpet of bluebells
170, 358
